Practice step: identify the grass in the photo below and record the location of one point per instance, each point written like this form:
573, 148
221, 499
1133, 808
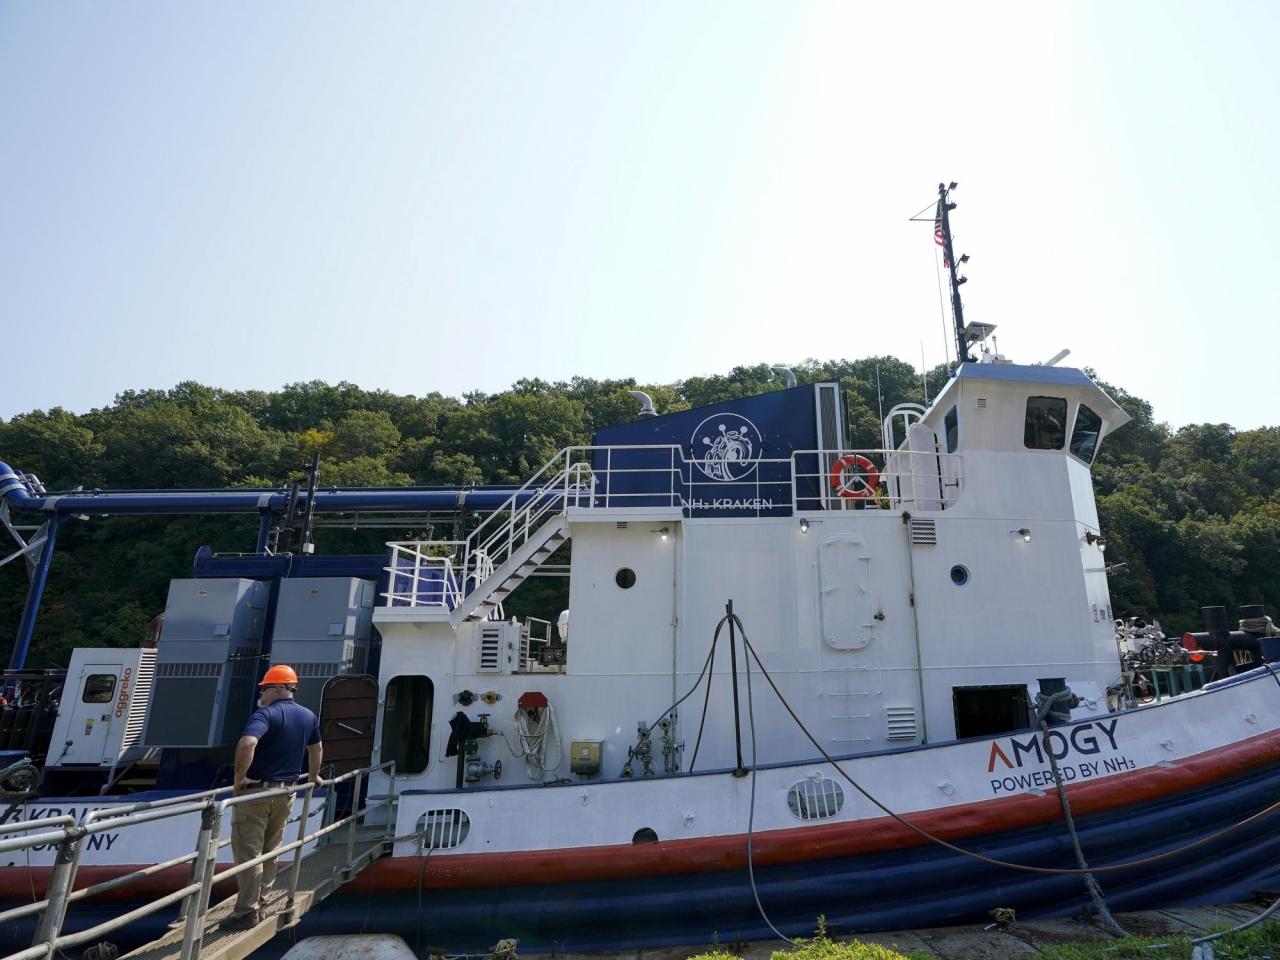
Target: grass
1257, 943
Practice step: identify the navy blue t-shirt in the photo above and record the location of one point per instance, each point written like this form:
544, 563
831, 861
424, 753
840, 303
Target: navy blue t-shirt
284, 730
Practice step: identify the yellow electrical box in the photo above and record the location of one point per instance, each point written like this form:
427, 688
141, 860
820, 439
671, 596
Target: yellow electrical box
584, 757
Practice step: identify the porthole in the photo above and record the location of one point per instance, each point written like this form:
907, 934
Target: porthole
645, 835
815, 799
959, 575
625, 578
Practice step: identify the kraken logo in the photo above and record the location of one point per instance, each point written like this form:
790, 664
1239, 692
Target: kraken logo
726, 447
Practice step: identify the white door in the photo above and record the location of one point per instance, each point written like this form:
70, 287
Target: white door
848, 608
851, 654
91, 715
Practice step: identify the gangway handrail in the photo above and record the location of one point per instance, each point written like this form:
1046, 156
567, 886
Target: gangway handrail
60, 893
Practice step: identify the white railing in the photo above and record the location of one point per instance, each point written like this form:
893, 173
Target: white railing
904, 480
419, 578
71, 838
665, 477
535, 630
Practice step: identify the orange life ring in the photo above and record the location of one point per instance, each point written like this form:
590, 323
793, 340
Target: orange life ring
870, 484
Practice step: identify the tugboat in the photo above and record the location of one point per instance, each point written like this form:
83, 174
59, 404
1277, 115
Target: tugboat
883, 685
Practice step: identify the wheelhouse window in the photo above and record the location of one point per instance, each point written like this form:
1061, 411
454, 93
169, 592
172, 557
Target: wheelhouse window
1084, 438
951, 424
1046, 424
406, 723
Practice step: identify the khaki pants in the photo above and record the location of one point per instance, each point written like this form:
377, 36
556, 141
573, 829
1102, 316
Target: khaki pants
256, 827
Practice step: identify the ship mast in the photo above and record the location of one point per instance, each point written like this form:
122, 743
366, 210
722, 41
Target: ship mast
942, 224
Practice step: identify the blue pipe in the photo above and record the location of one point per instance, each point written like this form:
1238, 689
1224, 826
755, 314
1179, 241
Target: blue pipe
35, 590
19, 495
264, 532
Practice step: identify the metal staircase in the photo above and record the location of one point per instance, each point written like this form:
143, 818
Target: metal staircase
490, 592
513, 542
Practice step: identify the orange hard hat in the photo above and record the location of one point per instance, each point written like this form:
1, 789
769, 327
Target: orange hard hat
279, 675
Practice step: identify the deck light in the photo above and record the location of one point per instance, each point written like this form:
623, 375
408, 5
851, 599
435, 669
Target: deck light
804, 524
664, 533
1095, 538
1022, 532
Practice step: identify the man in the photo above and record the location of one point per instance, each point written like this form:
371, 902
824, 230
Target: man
268, 756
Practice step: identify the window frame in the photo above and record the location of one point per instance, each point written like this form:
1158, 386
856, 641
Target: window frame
1097, 434
951, 428
97, 698
1028, 425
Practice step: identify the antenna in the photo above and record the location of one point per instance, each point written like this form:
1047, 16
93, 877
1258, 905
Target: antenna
943, 230
924, 382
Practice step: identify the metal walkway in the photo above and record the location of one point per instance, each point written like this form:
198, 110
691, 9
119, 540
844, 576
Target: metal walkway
322, 860
322, 872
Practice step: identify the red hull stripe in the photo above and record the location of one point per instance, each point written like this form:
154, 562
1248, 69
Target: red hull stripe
709, 854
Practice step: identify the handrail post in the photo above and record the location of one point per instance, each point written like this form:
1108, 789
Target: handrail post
296, 868
389, 840
417, 570
197, 865
207, 855
60, 884
191, 910
351, 824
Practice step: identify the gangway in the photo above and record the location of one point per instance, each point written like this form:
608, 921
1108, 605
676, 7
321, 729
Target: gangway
323, 860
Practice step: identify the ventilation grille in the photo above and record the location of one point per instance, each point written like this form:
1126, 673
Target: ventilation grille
815, 799
828, 424
490, 649
902, 722
924, 533
980, 403
329, 668
360, 660
442, 829
244, 662
142, 684
168, 670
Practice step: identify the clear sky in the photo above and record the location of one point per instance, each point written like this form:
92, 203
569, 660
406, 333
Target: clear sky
449, 196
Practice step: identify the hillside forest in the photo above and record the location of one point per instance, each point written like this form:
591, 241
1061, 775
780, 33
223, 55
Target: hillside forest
1193, 512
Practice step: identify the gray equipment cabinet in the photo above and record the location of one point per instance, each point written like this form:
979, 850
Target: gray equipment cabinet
322, 629
207, 662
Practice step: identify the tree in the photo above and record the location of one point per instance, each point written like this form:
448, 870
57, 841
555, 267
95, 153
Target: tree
1194, 513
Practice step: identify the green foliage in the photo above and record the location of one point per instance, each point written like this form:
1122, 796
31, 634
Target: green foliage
1256, 943
821, 947
1195, 513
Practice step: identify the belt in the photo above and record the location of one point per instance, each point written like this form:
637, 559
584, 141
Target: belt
270, 784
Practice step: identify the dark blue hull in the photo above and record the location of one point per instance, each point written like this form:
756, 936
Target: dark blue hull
921, 887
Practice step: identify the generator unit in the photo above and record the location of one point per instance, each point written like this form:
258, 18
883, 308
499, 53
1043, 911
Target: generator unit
207, 663
322, 628
103, 708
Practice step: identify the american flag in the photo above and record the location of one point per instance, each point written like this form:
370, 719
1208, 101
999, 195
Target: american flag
940, 240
